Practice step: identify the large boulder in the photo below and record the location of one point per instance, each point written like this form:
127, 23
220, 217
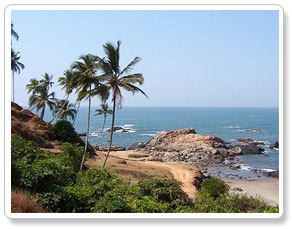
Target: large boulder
137, 146
187, 146
245, 149
274, 145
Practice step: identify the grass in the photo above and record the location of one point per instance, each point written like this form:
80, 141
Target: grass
22, 203
137, 155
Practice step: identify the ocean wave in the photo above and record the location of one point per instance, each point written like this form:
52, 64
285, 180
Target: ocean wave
233, 127
151, 135
127, 125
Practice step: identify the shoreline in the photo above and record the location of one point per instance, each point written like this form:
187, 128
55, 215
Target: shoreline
265, 188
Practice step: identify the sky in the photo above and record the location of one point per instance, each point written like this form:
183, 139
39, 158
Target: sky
189, 58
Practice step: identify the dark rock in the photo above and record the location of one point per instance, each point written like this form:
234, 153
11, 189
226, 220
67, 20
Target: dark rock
245, 140
135, 146
116, 128
82, 134
122, 162
246, 149
274, 174
254, 130
238, 189
274, 145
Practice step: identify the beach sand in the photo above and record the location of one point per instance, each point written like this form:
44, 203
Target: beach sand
266, 188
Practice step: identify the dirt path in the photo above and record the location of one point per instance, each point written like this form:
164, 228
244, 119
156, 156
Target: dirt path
182, 172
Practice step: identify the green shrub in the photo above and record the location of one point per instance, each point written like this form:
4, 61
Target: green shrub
45, 174
72, 155
115, 201
163, 190
147, 204
213, 187
23, 153
64, 131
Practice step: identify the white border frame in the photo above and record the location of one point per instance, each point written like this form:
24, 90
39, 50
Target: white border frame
7, 133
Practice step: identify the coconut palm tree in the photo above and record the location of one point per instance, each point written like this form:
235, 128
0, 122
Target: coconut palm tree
87, 85
33, 86
66, 82
117, 79
104, 110
13, 33
41, 97
16, 66
65, 110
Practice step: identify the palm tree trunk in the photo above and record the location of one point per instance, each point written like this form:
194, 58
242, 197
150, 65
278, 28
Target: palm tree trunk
101, 131
60, 109
76, 113
43, 112
112, 130
87, 133
13, 86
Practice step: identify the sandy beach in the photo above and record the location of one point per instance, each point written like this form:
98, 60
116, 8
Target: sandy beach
266, 188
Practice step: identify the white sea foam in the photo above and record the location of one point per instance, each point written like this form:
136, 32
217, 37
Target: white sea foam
233, 127
245, 167
151, 135
267, 170
127, 125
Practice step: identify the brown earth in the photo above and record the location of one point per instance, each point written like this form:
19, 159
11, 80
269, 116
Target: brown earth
30, 126
135, 169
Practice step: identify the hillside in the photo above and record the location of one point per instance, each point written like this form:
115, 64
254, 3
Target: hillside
31, 127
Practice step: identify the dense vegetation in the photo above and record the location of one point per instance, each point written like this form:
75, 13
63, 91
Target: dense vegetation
54, 181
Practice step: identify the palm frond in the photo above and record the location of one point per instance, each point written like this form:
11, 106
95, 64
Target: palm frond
130, 66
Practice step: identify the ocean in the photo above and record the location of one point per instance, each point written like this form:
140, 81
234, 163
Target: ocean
226, 123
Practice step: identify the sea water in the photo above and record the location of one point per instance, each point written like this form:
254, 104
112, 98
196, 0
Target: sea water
227, 123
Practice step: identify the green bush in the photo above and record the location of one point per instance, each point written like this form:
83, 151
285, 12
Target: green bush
45, 174
213, 187
64, 131
72, 155
23, 154
163, 190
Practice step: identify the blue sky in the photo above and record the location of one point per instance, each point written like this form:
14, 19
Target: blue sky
189, 58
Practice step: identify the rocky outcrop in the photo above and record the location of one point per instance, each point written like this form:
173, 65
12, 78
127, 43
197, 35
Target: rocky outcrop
137, 146
113, 148
245, 149
119, 129
254, 130
245, 140
249, 141
274, 145
186, 146
189, 147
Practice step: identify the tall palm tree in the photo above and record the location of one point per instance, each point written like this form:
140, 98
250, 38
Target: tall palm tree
13, 33
104, 110
16, 66
88, 85
33, 86
41, 97
117, 79
65, 110
66, 82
